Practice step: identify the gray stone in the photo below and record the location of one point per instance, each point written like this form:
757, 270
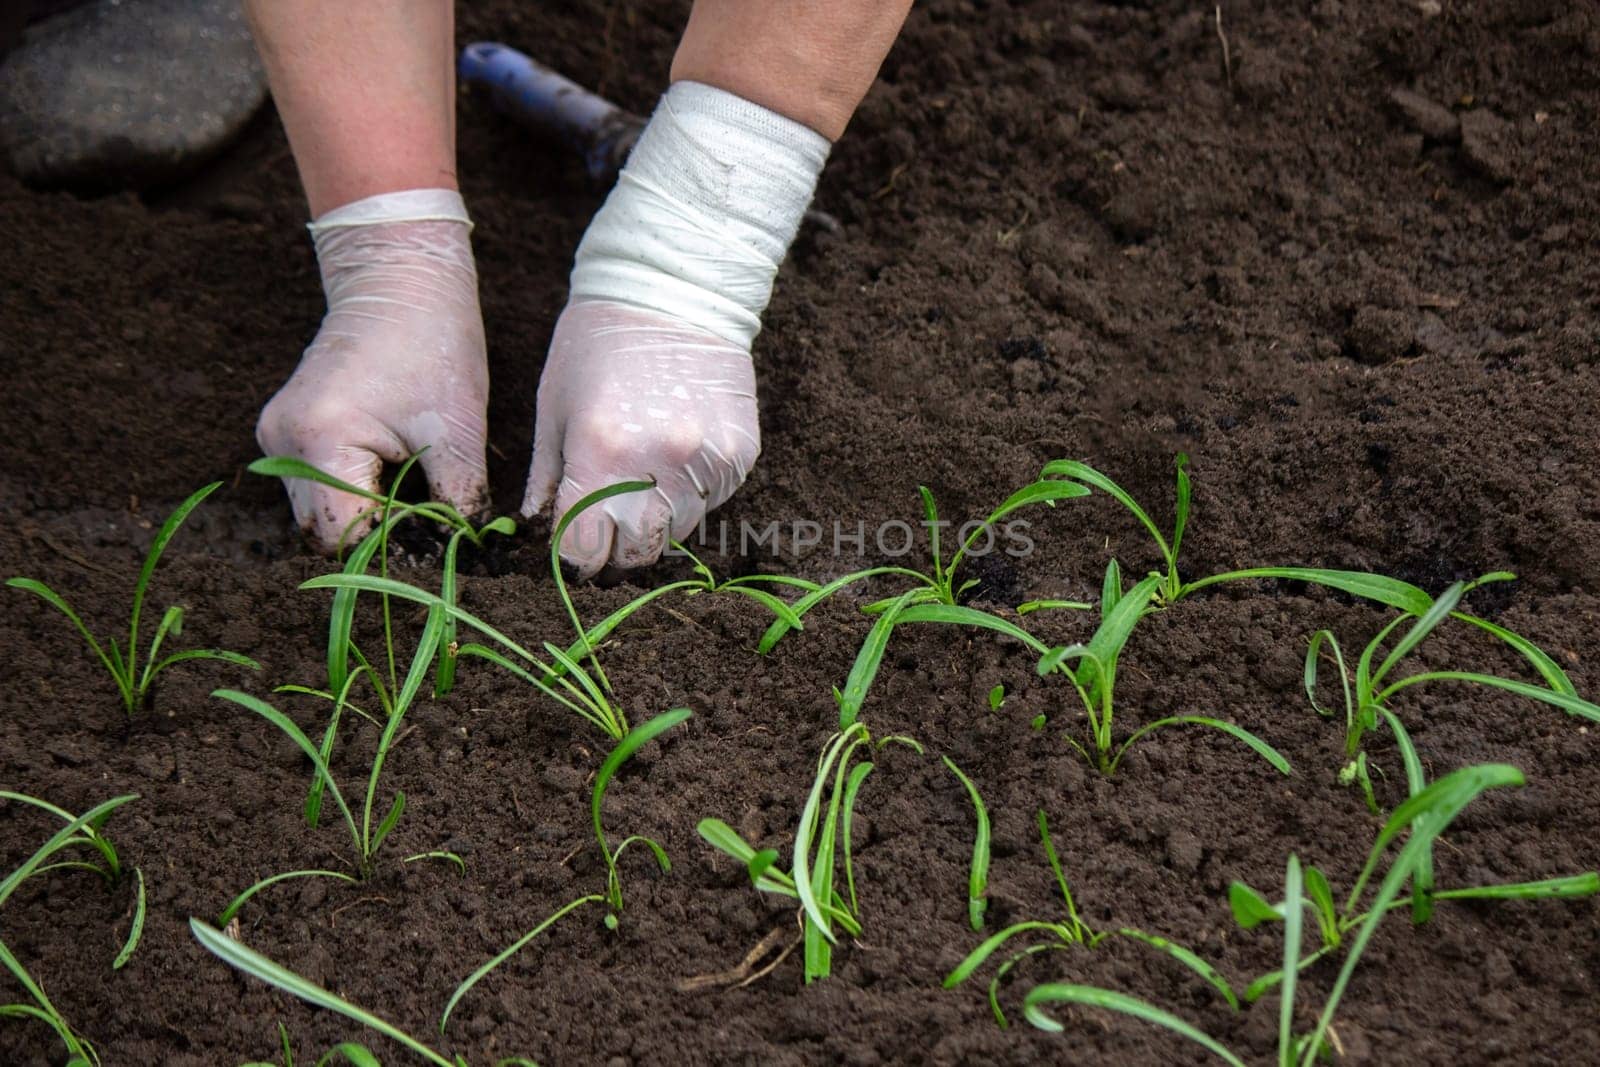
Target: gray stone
1486, 145
128, 93
1426, 117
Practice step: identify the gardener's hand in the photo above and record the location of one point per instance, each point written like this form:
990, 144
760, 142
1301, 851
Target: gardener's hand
630, 393
649, 373
397, 366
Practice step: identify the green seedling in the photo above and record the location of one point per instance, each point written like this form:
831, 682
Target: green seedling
1367, 697
978, 880
60, 852
1335, 921
612, 897
389, 512
248, 961
584, 690
811, 879
1071, 932
1092, 670
997, 698
1170, 586
1438, 805
366, 836
133, 684
938, 586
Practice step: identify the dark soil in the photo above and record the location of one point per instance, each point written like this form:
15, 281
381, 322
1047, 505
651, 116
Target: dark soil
1066, 230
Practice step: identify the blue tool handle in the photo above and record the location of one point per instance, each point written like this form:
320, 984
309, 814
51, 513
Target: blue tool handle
539, 97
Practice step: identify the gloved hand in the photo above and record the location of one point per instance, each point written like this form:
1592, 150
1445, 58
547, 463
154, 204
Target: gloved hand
397, 366
649, 372
628, 393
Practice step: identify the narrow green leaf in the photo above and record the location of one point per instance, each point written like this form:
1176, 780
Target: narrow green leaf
991, 944
136, 929
957, 615
1548, 669
1569, 887
396, 808
293, 732
1293, 915
1572, 705
153, 557
1029, 606
516, 946
779, 628
1082, 472
291, 467
257, 966
636, 739
1258, 746
978, 879
867, 661
1426, 624
1375, 587
239, 901
51, 597
1189, 959
1094, 997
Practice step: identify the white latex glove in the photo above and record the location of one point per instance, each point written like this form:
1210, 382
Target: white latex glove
649, 372
627, 393
397, 366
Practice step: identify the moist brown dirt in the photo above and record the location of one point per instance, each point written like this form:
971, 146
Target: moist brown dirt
1065, 230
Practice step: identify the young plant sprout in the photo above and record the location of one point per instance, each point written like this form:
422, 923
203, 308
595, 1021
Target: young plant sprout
1069, 933
1367, 697
1093, 677
84, 831
612, 897
811, 879
343, 656
247, 960
1170, 587
1437, 806
978, 880
584, 690
366, 838
133, 684
1335, 921
938, 586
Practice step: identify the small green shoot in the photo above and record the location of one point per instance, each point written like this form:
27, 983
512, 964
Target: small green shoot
84, 831
1169, 586
1366, 698
938, 586
133, 684
343, 657
997, 698
978, 880
366, 838
612, 897
1336, 921
1093, 677
1439, 804
811, 879
1069, 933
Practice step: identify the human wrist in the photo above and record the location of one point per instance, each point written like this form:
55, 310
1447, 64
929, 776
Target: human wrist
704, 212
407, 205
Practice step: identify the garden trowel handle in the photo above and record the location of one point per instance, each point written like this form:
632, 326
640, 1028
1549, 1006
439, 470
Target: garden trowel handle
539, 97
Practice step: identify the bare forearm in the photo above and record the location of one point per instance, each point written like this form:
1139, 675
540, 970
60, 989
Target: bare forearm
810, 60
366, 92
